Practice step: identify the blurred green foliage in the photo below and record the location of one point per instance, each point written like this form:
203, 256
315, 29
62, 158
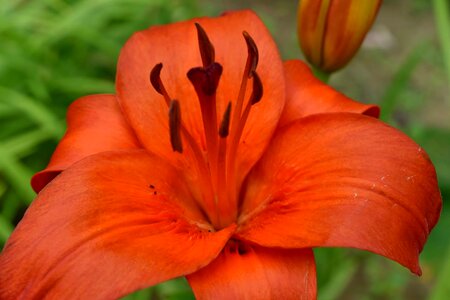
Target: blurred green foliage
54, 51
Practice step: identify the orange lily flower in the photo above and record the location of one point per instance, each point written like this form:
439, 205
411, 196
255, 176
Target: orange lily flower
228, 167
331, 31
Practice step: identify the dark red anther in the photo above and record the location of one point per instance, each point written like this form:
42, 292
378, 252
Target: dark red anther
253, 54
175, 126
205, 80
206, 47
257, 91
155, 78
225, 124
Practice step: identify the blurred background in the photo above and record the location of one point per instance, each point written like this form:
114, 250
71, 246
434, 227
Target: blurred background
54, 51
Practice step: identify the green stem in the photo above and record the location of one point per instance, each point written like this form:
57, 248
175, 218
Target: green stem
323, 76
442, 288
441, 13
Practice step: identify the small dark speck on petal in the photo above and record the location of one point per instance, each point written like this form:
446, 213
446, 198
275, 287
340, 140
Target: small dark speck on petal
242, 249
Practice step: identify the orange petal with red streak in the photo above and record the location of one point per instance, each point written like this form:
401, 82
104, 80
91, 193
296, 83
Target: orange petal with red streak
253, 272
110, 224
307, 95
343, 180
94, 124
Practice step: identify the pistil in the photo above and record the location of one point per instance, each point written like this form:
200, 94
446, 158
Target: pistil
205, 81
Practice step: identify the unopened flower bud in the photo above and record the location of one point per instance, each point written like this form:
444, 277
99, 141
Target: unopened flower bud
331, 31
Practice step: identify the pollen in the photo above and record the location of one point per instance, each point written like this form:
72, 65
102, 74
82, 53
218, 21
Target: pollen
175, 125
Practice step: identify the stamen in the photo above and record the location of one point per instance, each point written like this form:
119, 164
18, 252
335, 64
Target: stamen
226, 208
253, 54
250, 67
218, 171
255, 97
206, 47
225, 124
257, 91
237, 126
174, 126
176, 129
155, 78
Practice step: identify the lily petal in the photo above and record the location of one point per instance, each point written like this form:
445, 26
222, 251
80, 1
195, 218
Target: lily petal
343, 180
176, 46
257, 273
94, 124
110, 224
307, 95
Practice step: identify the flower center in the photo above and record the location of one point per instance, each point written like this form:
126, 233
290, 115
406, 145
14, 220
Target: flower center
217, 165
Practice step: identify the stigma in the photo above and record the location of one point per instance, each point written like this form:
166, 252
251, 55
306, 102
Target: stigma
216, 159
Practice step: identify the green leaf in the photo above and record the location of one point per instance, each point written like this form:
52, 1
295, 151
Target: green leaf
17, 175
5, 229
400, 81
436, 142
442, 18
26, 143
84, 85
37, 112
145, 294
442, 287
